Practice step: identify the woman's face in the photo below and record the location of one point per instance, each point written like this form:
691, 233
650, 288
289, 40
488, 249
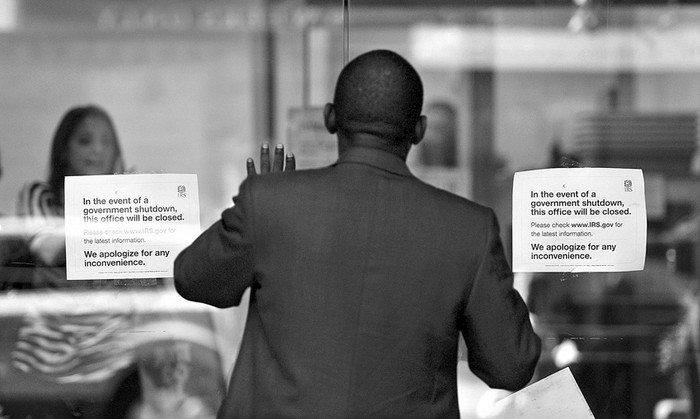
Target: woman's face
92, 148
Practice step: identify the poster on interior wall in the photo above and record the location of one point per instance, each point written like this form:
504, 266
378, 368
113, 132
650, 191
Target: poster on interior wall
128, 226
438, 159
312, 145
579, 220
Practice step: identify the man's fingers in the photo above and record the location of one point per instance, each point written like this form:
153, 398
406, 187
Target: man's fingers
277, 163
278, 160
265, 158
291, 163
250, 166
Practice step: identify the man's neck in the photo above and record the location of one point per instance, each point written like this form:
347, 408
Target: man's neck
373, 142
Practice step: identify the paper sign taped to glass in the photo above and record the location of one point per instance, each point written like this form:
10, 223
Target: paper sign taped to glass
128, 226
579, 220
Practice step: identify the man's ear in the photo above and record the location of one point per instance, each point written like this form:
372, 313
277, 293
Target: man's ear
329, 118
419, 130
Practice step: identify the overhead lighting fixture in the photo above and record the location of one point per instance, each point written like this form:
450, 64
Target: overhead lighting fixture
669, 17
586, 17
9, 15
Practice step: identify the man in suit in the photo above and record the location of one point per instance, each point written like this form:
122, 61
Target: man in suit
362, 277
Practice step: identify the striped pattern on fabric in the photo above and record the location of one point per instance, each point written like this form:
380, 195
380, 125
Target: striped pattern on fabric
74, 348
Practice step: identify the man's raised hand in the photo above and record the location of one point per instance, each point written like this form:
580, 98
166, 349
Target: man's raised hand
279, 162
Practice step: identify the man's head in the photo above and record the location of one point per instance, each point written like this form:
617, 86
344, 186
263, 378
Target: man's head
377, 103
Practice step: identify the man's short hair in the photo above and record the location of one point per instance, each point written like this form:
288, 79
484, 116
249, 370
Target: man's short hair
379, 93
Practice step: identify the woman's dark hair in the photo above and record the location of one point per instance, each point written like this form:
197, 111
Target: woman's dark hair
71, 120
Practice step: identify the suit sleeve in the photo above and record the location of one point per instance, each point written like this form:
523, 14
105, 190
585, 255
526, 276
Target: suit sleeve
502, 346
217, 267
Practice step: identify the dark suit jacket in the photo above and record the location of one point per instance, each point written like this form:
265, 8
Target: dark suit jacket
362, 278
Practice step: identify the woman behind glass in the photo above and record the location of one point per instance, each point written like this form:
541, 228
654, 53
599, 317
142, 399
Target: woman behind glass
85, 143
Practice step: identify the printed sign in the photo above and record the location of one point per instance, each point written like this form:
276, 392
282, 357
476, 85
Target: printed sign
128, 226
579, 220
555, 396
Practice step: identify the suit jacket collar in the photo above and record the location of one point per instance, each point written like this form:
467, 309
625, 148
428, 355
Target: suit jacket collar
375, 158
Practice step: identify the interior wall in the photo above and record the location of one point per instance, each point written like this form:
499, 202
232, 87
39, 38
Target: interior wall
535, 110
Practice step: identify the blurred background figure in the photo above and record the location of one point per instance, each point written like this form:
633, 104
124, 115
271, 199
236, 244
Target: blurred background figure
439, 146
164, 371
680, 356
13, 252
85, 143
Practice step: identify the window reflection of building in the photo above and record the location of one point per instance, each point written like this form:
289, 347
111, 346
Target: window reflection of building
609, 327
439, 146
195, 64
